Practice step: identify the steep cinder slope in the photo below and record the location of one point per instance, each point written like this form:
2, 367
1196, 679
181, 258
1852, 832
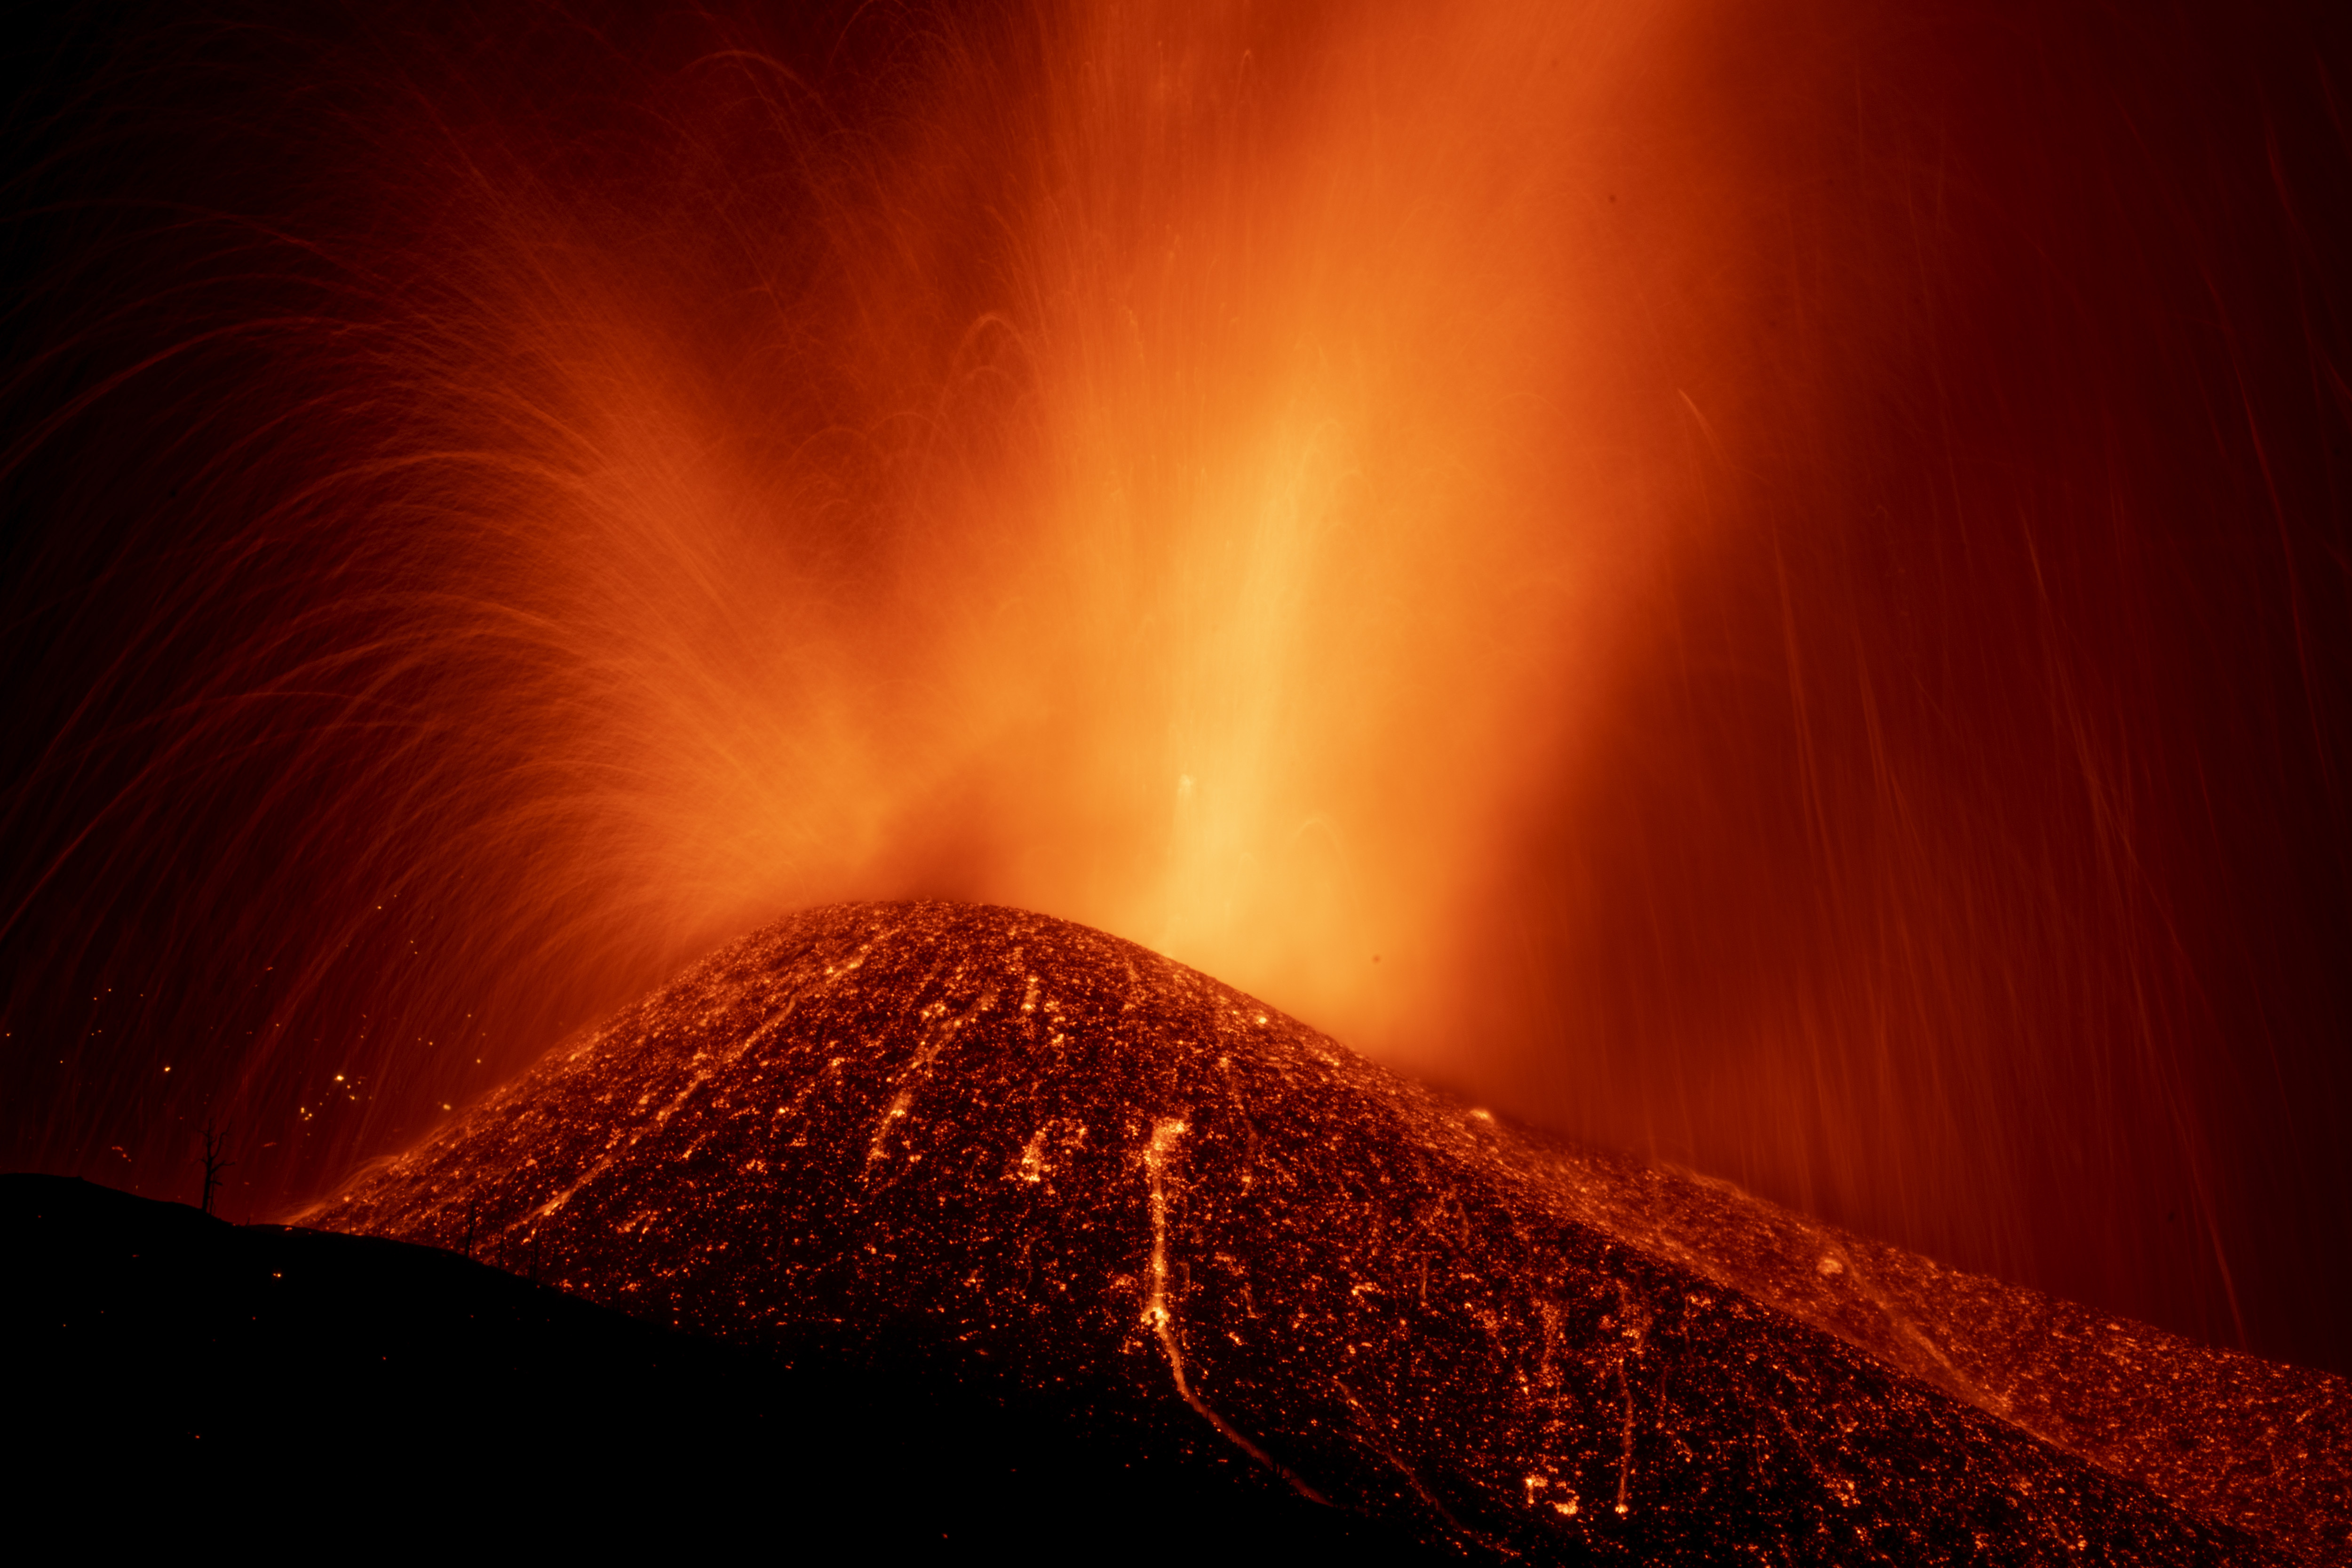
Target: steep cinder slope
1199, 1225
2230, 1437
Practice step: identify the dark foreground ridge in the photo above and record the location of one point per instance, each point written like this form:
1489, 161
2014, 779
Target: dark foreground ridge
1196, 1230
169, 1374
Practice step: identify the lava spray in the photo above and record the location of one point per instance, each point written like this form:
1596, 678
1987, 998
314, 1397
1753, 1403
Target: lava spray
1763, 586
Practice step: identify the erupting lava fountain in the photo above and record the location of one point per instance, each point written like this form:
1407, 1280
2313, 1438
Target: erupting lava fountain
1193, 1223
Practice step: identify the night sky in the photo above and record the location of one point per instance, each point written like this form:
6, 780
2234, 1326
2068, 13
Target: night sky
1788, 570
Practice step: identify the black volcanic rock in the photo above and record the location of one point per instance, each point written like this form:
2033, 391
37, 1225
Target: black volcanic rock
169, 1374
977, 1138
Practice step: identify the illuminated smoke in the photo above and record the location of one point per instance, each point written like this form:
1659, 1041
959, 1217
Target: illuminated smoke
1741, 581
1161, 465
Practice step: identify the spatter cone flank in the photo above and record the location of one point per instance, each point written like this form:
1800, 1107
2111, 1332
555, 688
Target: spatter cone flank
1133, 1187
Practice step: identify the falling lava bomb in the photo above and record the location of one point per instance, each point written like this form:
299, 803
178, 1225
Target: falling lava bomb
997, 1140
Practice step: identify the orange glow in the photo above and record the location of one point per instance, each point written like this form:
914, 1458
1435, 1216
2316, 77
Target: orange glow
1235, 444
1757, 584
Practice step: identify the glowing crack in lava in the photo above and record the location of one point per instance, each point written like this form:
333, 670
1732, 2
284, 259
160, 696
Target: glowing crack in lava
1020, 1141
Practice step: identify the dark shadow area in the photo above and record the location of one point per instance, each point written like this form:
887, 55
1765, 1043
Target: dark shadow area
162, 1361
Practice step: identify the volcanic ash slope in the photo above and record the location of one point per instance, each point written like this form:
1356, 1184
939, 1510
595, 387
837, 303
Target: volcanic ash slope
1009, 1142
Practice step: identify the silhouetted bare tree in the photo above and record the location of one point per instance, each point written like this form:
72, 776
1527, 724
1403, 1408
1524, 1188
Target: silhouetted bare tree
216, 1160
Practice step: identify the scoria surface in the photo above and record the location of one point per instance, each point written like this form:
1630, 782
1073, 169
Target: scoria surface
1185, 1218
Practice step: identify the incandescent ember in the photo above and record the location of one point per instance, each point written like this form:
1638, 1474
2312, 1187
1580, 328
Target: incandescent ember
1002, 1140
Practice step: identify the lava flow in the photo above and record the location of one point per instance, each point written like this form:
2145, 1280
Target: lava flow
1002, 1140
